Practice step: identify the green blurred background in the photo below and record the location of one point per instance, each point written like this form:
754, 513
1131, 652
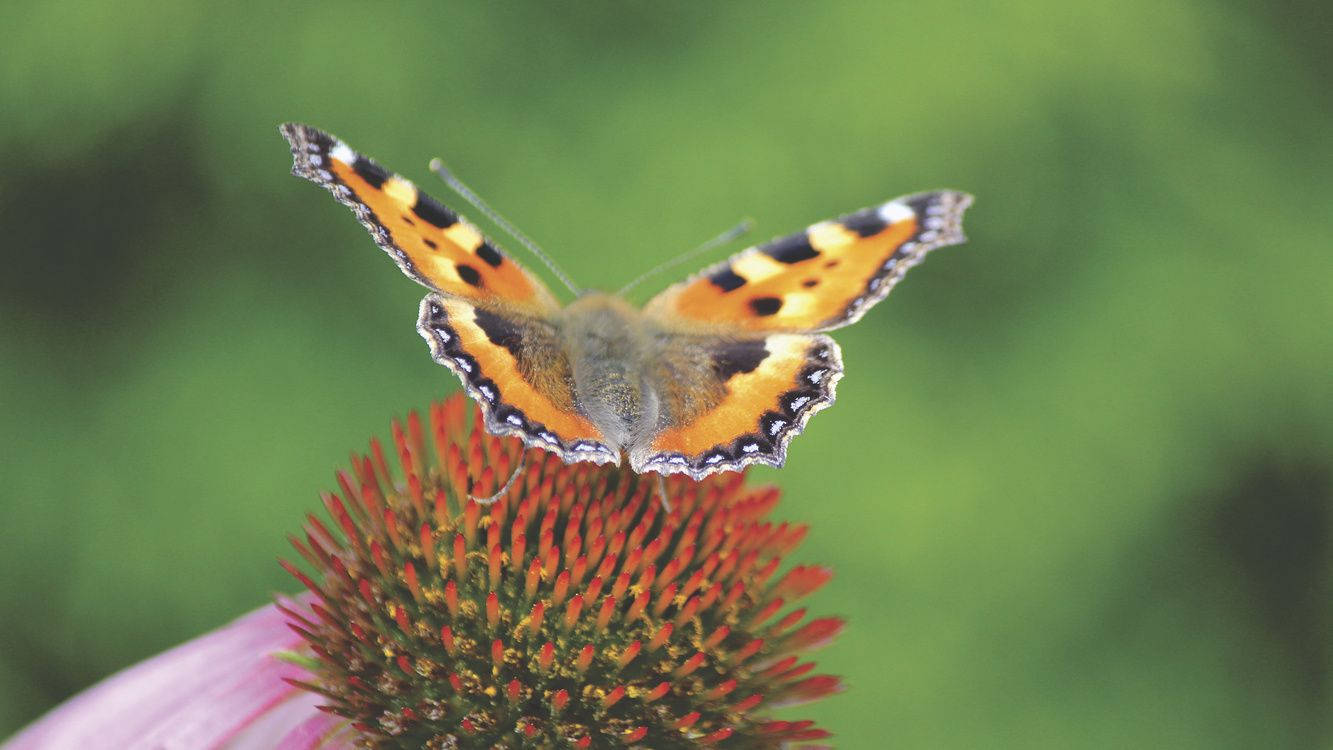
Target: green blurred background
1077, 486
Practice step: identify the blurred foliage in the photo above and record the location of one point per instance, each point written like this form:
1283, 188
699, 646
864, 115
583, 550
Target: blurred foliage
1077, 488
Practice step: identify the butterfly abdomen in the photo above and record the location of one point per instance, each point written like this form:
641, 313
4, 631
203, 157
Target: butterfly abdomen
608, 350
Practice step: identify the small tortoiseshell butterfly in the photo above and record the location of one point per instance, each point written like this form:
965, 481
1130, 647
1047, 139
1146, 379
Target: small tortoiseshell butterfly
715, 373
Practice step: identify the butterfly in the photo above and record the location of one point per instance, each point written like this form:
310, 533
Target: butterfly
713, 374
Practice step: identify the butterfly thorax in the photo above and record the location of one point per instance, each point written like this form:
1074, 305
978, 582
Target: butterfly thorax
610, 347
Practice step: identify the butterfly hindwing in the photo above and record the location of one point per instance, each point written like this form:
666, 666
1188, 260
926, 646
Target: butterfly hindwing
728, 402
516, 369
429, 242
822, 278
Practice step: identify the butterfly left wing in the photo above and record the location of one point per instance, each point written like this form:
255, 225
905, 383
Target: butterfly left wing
823, 278
724, 403
517, 370
430, 243
488, 319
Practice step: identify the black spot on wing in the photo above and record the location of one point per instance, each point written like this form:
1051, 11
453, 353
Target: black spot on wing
714, 456
865, 223
921, 203
766, 305
370, 171
433, 211
727, 280
488, 253
515, 418
501, 331
793, 249
469, 274
796, 401
734, 357
814, 376
432, 244
772, 424
488, 390
749, 445
468, 364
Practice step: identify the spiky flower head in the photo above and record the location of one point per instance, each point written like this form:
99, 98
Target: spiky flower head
577, 611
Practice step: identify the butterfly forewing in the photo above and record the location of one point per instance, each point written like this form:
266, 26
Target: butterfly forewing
822, 278
492, 322
430, 243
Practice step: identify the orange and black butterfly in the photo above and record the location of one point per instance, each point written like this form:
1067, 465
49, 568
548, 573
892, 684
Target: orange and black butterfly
715, 373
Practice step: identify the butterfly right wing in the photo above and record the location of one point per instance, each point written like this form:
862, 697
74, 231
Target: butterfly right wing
725, 402
431, 244
822, 278
517, 369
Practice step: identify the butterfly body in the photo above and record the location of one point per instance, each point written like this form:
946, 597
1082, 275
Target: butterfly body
611, 348
714, 374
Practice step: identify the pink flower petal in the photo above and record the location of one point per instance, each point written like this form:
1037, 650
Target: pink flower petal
223, 689
323, 730
294, 724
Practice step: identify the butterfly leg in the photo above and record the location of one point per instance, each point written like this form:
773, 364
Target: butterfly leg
522, 461
661, 492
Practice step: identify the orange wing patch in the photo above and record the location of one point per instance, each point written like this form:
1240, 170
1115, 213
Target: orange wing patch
517, 371
430, 243
823, 278
764, 403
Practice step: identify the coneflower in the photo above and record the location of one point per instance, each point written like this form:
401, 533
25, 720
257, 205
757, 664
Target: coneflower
576, 611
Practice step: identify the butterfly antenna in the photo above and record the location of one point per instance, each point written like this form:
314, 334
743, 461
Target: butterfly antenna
522, 461
457, 186
730, 235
